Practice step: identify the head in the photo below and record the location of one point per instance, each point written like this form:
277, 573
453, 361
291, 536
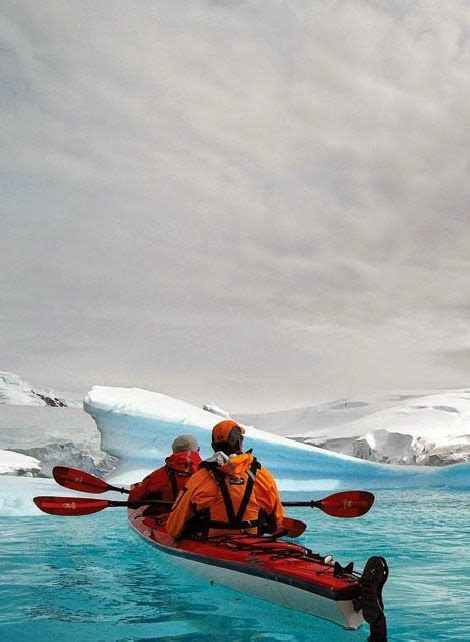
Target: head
183, 443
227, 436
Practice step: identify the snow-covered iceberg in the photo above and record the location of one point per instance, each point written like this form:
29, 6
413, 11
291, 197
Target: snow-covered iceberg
12, 463
16, 391
398, 427
52, 436
138, 426
47, 426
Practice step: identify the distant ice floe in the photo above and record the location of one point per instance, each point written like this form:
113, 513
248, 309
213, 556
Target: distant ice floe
54, 436
427, 429
12, 463
16, 495
138, 426
16, 391
48, 427
211, 407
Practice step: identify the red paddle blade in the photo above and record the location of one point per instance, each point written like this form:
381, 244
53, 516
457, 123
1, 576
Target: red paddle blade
351, 503
294, 527
70, 505
78, 480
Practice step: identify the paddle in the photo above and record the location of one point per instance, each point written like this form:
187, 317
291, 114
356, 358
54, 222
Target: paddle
70, 506
347, 504
350, 503
84, 505
80, 480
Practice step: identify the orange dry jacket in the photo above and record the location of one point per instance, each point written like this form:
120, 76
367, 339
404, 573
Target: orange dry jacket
202, 492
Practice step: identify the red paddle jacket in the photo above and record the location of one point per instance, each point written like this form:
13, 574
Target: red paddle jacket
166, 482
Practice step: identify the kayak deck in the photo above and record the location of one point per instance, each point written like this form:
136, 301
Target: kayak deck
276, 570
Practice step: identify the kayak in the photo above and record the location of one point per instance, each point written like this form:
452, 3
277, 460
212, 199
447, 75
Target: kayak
268, 568
271, 569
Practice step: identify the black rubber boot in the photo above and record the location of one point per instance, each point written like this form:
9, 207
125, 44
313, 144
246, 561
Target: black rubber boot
371, 583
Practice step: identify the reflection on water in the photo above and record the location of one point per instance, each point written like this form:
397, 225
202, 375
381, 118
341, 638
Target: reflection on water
91, 578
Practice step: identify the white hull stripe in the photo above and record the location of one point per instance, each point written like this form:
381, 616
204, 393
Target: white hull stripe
282, 588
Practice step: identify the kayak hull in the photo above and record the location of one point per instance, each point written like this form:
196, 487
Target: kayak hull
339, 612
271, 571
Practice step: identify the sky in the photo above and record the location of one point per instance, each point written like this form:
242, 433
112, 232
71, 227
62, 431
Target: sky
257, 204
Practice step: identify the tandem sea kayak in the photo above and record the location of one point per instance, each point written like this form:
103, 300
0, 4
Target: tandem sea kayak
278, 571
267, 567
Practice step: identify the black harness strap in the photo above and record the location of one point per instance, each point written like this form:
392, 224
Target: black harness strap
220, 479
236, 521
172, 477
249, 489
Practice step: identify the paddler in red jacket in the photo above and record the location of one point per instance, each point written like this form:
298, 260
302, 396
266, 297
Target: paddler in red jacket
230, 493
166, 482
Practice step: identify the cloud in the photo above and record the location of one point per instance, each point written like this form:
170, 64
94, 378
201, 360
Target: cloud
234, 173
454, 359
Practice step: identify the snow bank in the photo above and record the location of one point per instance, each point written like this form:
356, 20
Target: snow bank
138, 426
399, 428
12, 463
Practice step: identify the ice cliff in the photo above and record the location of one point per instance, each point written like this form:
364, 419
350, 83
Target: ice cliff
40, 428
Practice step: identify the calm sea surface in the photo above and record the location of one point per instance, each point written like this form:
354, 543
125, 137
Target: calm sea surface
91, 578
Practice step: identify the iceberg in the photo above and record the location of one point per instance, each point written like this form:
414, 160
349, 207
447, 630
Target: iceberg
14, 390
137, 427
16, 494
54, 436
398, 427
13, 463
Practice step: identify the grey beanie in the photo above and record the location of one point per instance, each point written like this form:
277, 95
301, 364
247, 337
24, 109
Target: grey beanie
184, 442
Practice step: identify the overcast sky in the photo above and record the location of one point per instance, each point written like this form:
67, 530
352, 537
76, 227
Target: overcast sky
255, 203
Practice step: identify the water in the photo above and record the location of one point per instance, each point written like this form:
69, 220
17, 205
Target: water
91, 578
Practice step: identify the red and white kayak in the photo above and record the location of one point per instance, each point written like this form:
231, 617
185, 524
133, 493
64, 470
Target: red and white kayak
269, 568
276, 570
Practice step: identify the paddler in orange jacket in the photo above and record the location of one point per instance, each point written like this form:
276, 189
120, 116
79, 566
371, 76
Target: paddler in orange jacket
230, 493
166, 482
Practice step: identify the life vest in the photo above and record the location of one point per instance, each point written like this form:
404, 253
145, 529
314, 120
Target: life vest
177, 479
201, 501
203, 522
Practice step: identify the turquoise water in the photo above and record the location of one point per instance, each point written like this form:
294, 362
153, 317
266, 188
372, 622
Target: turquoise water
91, 578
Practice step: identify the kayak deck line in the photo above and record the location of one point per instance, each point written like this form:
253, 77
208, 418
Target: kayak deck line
275, 570
254, 570
334, 588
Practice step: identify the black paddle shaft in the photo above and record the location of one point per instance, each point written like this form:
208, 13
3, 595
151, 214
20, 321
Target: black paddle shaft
309, 504
143, 502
